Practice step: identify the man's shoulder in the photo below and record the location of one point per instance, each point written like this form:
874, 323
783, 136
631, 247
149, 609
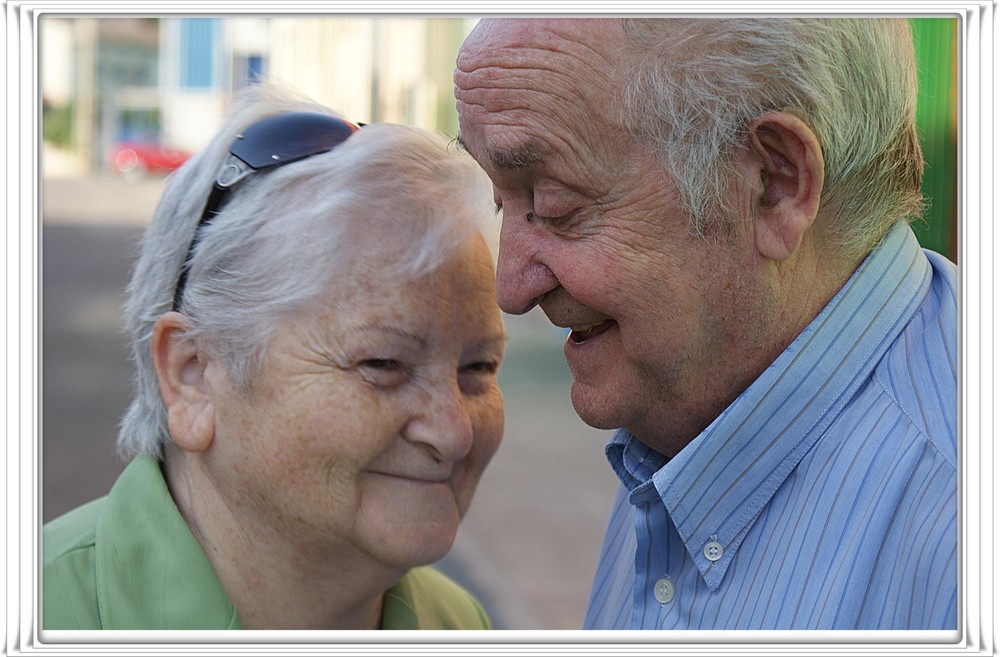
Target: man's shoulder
919, 372
435, 601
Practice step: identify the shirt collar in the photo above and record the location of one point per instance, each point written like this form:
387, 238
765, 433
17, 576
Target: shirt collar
715, 488
151, 572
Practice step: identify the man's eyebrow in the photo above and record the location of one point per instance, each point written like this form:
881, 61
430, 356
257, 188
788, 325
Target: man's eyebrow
519, 157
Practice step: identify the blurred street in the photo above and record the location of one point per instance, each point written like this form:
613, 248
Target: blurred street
529, 544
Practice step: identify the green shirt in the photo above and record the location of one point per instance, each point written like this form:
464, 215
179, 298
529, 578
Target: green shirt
129, 561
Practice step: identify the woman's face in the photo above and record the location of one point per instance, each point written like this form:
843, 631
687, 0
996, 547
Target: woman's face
372, 420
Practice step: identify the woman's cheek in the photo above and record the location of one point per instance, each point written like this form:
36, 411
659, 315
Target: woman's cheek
490, 431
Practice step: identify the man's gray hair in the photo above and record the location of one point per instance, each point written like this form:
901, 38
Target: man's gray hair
697, 85
286, 238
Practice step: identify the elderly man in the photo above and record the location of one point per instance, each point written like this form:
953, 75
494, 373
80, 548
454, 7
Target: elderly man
717, 210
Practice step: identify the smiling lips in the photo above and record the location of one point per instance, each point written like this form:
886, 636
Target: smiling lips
584, 332
418, 478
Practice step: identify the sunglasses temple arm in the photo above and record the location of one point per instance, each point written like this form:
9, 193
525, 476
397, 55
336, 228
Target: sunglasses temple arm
211, 209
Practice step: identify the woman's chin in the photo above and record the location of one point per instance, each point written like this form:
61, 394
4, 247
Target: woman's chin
416, 549
406, 536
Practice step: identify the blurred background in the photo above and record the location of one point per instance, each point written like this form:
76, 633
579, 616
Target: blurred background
126, 100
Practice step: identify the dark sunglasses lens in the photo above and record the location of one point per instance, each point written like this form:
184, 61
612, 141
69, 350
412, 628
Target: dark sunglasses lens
288, 137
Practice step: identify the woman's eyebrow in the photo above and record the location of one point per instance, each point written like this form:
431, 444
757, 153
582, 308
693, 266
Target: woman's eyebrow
500, 339
369, 329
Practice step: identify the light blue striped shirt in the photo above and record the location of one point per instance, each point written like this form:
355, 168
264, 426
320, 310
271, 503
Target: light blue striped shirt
825, 496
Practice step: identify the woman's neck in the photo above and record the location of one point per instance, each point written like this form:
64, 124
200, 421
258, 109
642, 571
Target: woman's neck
274, 582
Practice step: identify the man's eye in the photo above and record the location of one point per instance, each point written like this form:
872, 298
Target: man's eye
546, 214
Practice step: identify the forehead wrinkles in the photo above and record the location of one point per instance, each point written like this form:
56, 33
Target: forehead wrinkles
531, 59
558, 86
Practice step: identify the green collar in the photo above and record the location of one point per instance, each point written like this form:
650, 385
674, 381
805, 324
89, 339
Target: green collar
153, 574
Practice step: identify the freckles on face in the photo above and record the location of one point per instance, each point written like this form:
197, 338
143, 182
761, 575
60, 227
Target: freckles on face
374, 415
455, 423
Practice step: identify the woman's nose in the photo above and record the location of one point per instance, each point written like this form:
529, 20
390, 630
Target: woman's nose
443, 423
523, 277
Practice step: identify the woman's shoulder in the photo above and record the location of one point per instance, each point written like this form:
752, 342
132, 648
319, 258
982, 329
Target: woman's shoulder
427, 599
71, 532
69, 586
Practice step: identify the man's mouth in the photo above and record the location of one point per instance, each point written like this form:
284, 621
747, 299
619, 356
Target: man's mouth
583, 332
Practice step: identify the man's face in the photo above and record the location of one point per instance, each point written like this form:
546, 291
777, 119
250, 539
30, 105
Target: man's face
593, 232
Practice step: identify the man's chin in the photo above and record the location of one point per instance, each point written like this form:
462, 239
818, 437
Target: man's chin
597, 406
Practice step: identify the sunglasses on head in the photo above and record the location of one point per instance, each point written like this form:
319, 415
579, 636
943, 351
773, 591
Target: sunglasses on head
267, 144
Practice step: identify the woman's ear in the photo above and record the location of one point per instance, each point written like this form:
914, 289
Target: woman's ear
789, 159
180, 368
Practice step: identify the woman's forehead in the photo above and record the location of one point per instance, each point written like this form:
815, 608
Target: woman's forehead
384, 262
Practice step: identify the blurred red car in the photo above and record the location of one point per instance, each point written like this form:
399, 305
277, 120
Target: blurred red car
136, 159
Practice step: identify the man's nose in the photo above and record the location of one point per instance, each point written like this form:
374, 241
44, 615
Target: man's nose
523, 276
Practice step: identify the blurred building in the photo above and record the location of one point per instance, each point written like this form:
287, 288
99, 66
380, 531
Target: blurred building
168, 80
99, 81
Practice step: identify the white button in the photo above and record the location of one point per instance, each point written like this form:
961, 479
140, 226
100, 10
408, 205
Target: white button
713, 550
663, 590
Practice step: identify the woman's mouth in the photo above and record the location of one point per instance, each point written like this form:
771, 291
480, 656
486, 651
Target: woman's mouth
583, 332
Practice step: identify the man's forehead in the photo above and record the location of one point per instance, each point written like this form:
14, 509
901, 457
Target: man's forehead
491, 34
525, 88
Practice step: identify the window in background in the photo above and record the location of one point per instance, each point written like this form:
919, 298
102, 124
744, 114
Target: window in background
198, 39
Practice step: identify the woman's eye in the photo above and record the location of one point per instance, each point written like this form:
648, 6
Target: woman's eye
478, 377
483, 367
382, 364
383, 372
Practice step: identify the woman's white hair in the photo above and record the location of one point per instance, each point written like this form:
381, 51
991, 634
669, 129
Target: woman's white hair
285, 239
696, 86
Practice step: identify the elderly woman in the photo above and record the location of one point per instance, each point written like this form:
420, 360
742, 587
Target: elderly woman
316, 342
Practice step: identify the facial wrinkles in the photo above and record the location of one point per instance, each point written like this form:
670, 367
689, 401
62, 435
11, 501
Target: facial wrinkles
638, 214
629, 241
510, 55
485, 66
518, 92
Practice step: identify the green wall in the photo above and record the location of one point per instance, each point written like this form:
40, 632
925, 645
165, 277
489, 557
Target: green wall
936, 44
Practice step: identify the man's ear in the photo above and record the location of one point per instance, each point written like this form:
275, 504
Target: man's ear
180, 368
789, 160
